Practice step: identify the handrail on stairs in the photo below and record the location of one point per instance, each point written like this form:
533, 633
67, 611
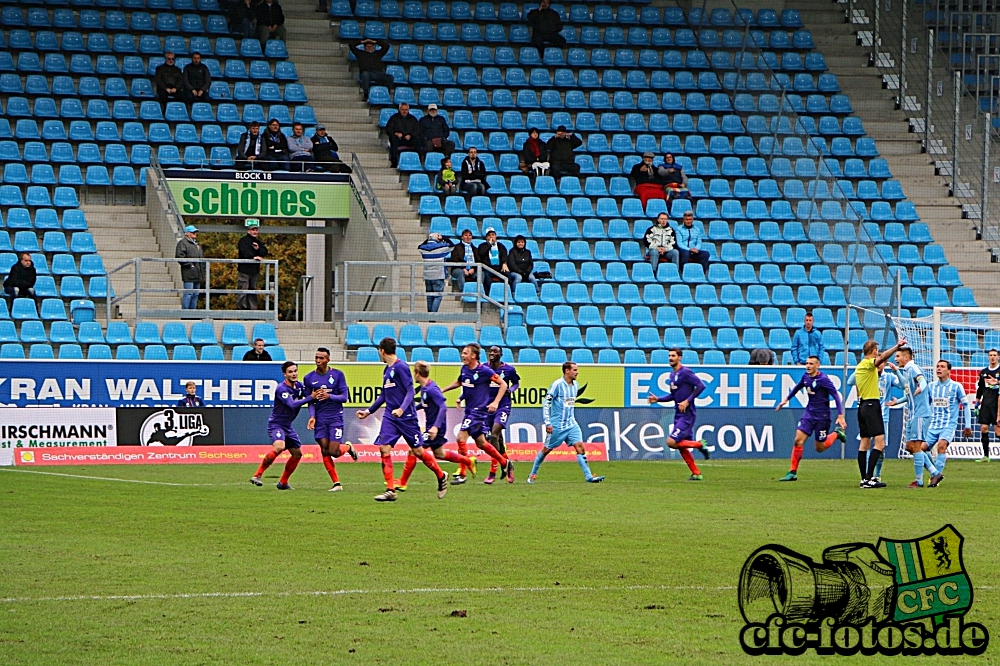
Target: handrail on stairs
374, 208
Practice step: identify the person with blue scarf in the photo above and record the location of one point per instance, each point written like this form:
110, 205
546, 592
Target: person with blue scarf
493, 254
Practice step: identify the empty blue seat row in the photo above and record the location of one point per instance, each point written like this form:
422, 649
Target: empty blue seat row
38, 196
134, 65
52, 241
44, 219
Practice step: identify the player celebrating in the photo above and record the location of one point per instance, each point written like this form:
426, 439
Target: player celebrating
475, 379
816, 419
915, 430
289, 398
987, 393
560, 422
497, 421
435, 425
400, 420
328, 387
685, 387
872, 415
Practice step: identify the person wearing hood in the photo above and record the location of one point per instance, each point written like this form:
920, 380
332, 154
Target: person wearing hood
434, 251
534, 155
646, 180
494, 255
661, 245
521, 264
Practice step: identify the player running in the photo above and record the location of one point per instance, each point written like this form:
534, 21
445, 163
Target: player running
475, 378
987, 394
497, 421
328, 387
289, 398
560, 422
947, 399
816, 418
399, 420
435, 425
685, 387
915, 429
872, 413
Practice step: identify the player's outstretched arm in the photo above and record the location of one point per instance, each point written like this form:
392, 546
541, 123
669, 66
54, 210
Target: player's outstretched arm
653, 399
451, 387
887, 354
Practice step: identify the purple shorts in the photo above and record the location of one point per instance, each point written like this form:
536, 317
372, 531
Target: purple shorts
286, 434
819, 428
392, 429
474, 423
436, 443
332, 430
683, 427
500, 416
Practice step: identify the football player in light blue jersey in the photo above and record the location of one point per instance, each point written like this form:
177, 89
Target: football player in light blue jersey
560, 422
947, 398
915, 429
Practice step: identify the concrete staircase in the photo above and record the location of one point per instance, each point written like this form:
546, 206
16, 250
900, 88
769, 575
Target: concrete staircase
902, 149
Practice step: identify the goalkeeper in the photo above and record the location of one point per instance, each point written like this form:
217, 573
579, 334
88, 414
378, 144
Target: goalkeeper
987, 394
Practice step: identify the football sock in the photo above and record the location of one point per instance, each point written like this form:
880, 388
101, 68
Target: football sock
878, 465
431, 462
538, 461
344, 448
688, 444
863, 463
582, 461
929, 464
266, 462
985, 439
797, 452
940, 461
463, 449
496, 455
453, 457
918, 467
873, 459
408, 467
390, 484
689, 459
494, 465
830, 439
290, 466
331, 468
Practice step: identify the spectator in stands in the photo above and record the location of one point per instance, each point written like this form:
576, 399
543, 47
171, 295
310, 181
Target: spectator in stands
275, 147
521, 264
435, 251
403, 131
192, 272
241, 18
473, 174
463, 253
806, 342
561, 147
646, 179
249, 247
545, 25
300, 149
270, 22
492, 254
689, 243
672, 175
190, 398
197, 79
169, 81
761, 356
371, 69
434, 132
325, 153
251, 147
20, 282
534, 155
660, 242
258, 353
446, 182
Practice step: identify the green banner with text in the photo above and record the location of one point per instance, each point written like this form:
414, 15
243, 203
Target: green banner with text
293, 200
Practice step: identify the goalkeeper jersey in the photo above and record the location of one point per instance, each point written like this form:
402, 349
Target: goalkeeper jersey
946, 400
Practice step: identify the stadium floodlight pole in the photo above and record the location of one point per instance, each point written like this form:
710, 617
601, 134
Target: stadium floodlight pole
985, 194
954, 137
902, 55
927, 93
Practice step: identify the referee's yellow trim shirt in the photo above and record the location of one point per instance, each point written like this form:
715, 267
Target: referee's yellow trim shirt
866, 378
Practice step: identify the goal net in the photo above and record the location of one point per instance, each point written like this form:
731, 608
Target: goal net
964, 337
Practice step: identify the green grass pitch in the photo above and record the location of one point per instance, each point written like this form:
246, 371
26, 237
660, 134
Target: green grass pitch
641, 569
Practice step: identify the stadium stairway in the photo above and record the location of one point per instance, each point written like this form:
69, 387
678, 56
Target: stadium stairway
900, 147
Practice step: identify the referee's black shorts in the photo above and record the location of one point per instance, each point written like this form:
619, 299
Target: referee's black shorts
870, 418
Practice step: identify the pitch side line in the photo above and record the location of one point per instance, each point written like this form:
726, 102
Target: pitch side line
108, 478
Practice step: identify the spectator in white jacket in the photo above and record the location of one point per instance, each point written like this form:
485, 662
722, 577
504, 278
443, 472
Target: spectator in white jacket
660, 242
300, 149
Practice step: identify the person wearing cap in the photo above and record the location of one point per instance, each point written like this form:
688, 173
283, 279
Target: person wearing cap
521, 264
300, 148
561, 159
325, 154
463, 253
546, 24
371, 69
250, 148
275, 147
473, 174
192, 270
250, 247
689, 238
647, 182
494, 255
534, 155
660, 242
404, 133
674, 180
434, 251
434, 132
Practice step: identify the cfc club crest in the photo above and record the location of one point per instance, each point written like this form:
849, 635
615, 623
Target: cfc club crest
171, 428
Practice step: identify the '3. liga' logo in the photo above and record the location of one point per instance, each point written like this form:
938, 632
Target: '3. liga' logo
171, 428
897, 597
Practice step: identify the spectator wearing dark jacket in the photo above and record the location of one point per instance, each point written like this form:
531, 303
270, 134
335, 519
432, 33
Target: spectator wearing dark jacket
534, 157
191, 398
464, 252
197, 79
434, 132
169, 81
192, 271
521, 263
251, 147
404, 133
473, 174
241, 18
492, 254
545, 25
249, 247
20, 282
275, 147
325, 152
371, 69
561, 148
258, 353
270, 22
646, 180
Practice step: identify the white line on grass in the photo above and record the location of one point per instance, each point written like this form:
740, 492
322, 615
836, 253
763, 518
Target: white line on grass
108, 478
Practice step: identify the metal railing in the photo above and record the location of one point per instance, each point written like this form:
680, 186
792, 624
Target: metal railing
395, 291
373, 208
302, 293
267, 297
172, 212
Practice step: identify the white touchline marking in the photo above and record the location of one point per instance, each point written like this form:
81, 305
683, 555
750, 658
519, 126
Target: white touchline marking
108, 478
